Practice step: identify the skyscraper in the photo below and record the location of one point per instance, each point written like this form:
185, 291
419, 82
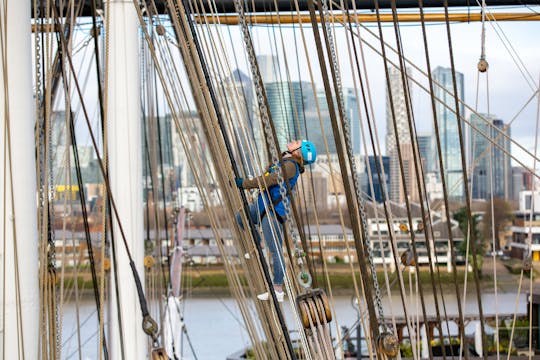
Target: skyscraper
448, 129
239, 89
378, 185
315, 132
350, 103
286, 105
490, 160
425, 151
400, 117
268, 68
521, 180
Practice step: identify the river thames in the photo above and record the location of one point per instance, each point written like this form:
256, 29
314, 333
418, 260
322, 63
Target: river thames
216, 330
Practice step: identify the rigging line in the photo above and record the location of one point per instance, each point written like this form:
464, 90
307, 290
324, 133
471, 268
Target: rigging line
465, 180
427, 217
150, 141
443, 180
378, 169
375, 144
443, 88
284, 187
101, 102
296, 134
239, 289
250, 119
368, 246
332, 173
368, 168
89, 246
398, 146
420, 182
374, 326
161, 160
242, 109
96, 59
507, 44
244, 201
144, 308
307, 248
217, 67
8, 160
355, 66
410, 120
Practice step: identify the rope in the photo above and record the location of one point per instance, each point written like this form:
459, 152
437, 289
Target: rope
464, 167
359, 247
333, 181
7, 162
148, 323
398, 145
461, 101
271, 139
168, 100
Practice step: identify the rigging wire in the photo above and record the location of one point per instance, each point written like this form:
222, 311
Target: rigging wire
465, 180
149, 324
356, 225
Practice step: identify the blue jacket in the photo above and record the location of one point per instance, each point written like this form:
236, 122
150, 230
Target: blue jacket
275, 196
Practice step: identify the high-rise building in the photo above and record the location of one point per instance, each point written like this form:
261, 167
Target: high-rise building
242, 109
269, 68
286, 103
490, 161
319, 134
448, 129
521, 180
397, 118
425, 150
350, 103
502, 168
374, 163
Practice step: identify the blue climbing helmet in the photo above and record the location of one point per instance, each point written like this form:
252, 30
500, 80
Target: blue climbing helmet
309, 153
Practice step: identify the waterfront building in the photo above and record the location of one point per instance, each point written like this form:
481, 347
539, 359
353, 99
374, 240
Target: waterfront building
522, 179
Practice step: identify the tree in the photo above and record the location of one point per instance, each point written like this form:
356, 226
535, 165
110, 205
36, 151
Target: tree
501, 215
461, 217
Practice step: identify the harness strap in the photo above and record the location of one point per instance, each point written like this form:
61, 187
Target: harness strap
274, 203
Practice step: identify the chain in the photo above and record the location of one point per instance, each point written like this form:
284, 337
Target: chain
354, 171
298, 253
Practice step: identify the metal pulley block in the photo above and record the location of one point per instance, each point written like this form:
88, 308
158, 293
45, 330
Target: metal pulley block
388, 344
314, 305
150, 327
159, 354
403, 228
149, 261
160, 29
107, 264
482, 65
407, 258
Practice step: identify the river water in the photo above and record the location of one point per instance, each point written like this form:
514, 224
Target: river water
215, 327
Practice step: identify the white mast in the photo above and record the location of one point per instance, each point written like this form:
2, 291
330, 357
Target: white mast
125, 174
19, 263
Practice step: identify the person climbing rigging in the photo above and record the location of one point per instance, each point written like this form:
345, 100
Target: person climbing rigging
298, 154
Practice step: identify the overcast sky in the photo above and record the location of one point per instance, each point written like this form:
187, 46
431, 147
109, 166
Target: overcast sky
508, 88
